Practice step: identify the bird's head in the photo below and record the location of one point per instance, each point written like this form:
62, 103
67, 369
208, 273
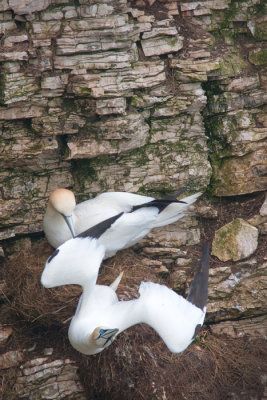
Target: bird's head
63, 201
102, 337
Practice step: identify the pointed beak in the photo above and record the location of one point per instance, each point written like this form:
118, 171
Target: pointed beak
69, 221
108, 333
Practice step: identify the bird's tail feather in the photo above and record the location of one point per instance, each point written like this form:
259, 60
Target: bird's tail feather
198, 293
174, 211
161, 204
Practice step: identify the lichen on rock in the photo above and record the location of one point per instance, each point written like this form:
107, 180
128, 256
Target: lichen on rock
235, 241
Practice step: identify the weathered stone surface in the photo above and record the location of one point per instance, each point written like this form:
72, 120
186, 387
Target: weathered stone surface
235, 241
252, 327
260, 222
48, 379
115, 135
104, 96
28, 6
234, 292
161, 40
78, 69
146, 170
112, 83
239, 293
11, 359
175, 235
263, 209
5, 333
230, 176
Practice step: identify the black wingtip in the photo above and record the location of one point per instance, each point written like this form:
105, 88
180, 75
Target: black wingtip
161, 204
97, 230
198, 293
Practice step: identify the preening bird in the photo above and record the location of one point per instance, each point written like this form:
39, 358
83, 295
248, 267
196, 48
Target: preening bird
100, 316
139, 214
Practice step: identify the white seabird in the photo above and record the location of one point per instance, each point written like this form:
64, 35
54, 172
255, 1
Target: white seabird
140, 215
100, 316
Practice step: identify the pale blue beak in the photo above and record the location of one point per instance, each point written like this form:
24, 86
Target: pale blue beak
69, 221
107, 334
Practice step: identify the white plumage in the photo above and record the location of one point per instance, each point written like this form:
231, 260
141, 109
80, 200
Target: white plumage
128, 230
100, 316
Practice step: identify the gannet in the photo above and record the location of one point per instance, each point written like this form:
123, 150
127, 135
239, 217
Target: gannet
100, 316
141, 214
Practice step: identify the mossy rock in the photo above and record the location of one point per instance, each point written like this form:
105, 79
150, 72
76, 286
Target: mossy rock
258, 57
235, 241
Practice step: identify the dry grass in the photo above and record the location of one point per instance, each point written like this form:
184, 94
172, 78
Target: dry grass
27, 299
138, 365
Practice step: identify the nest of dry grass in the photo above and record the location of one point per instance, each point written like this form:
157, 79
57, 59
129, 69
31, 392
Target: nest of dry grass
25, 297
138, 365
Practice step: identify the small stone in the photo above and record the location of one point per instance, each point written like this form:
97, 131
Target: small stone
10, 359
48, 351
263, 229
181, 262
257, 220
206, 211
161, 45
162, 271
2, 253
152, 263
178, 280
140, 3
263, 210
5, 333
235, 241
135, 12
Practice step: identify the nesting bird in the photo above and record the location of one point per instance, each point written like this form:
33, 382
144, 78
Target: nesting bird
100, 316
139, 214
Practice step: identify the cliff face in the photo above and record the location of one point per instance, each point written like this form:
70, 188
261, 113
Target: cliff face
144, 96
107, 95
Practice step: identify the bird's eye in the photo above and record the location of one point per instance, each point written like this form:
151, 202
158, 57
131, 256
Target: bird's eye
101, 332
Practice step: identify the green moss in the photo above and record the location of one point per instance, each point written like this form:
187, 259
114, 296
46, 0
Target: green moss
83, 171
133, 101
259, 8
228, 35
224, 244
85, 91
173, 42
261, 31
229, 14
258, 57
232, 64
35, 148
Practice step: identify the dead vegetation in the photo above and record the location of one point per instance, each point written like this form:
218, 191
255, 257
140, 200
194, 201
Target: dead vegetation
138, 365
25, 297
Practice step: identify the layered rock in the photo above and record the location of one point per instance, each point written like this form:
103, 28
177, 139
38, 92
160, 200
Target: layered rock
144, 97
90, 92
